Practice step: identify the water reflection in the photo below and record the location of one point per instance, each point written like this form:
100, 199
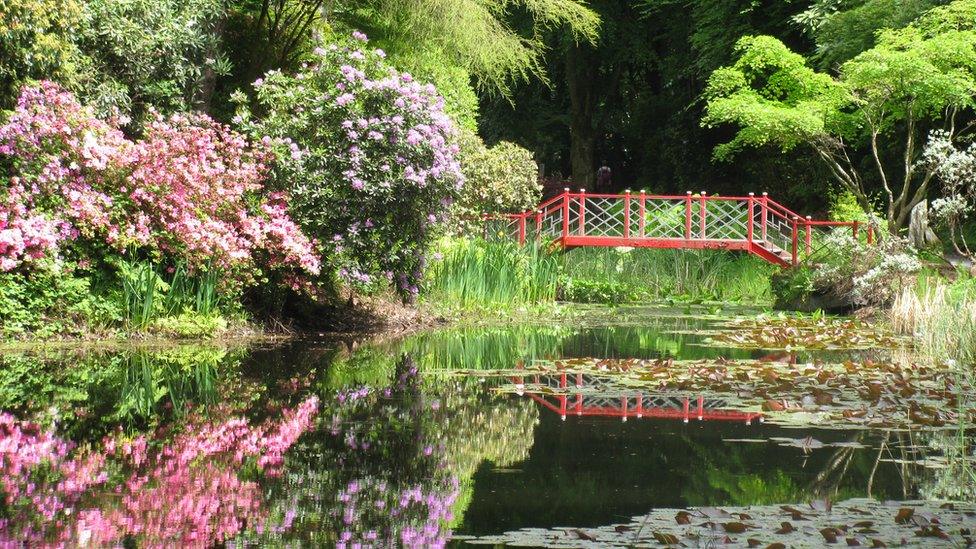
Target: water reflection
412, 443
596, 396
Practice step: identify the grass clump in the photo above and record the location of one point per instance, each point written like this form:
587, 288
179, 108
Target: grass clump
473, 274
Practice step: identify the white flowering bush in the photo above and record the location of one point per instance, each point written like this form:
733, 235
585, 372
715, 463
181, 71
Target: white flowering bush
955, 168
369, 160
855, 272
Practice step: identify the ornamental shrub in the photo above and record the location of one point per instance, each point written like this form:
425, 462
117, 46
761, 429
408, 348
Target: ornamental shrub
372, 166
191, 192
503, 178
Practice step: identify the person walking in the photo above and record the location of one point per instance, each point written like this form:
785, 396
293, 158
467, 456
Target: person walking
603, 178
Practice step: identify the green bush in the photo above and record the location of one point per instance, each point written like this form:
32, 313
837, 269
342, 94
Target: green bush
686, 275
593, 291
55, 300
503, 178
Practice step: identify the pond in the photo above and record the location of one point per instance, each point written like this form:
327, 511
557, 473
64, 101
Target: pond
640, 426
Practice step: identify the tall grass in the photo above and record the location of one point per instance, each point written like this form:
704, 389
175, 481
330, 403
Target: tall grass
680, 274
483, 274
941, 317
148, 295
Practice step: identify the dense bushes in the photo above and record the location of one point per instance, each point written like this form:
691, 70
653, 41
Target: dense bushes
368, 157
191, 190
79, 195
502, 178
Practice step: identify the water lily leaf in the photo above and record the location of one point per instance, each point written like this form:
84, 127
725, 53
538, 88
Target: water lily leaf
666, 538
734, 527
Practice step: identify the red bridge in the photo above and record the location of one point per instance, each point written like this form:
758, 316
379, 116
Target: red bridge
755, 224
594, 396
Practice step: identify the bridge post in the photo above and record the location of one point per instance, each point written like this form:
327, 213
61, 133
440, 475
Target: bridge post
627, 213
855, 230
565, 214
765, 213
795, 220
522, 229
643, 213
807, 235
752, 217
582, 213
688, 216
538, 225
703, 232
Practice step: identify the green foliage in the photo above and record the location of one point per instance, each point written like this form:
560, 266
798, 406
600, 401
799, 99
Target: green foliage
599, 291
502, 178
190, 325
845, 207
473, 35
775, 97
844, 29
473, 274
646, 274
36, 43
56, 300
149, 53
920, 73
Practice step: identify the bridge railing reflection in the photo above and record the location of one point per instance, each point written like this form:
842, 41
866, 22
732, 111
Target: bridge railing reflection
579, 394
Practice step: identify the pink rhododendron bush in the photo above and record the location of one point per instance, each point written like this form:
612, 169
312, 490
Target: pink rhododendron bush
190, 191
368, 158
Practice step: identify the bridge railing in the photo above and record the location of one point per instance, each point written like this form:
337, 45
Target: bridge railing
689, 221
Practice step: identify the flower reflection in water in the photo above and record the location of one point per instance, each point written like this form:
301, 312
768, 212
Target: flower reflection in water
187, 491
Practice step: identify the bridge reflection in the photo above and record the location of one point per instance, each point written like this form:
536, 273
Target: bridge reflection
596, 396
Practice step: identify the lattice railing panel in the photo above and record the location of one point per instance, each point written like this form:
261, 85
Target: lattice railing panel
726, 219
664, 218
778, 235
604, 216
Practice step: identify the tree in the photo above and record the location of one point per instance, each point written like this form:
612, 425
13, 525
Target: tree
457, 43
924, 73
35, 43
144, 54
844, 28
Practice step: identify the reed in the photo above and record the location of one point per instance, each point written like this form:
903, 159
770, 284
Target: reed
149, 296
941, 317
681, 274
475, 274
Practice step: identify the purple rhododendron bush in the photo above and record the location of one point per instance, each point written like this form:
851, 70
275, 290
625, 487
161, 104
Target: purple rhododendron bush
368, 158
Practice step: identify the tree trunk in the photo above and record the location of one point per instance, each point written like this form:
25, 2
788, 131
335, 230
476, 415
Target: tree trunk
581, 73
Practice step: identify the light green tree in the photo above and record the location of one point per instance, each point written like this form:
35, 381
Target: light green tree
35, 43
876, 106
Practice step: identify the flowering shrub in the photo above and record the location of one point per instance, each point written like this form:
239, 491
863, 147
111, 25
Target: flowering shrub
503, 178
372, 167
955, 168
855, 272
190, 191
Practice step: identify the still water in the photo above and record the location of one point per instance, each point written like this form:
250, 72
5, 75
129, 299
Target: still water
525, 435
